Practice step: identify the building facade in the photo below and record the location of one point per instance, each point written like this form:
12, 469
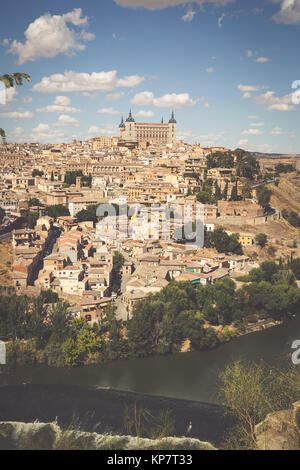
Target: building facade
163, 134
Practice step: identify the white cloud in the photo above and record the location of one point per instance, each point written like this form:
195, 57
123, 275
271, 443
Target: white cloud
66, 120
110, 111
41, 128
18, 131
62, 101
257, 124
252, 132
96, 81
262, 60
210, 70
61, 105
145, 114
44, 134
249, 53
50, 35
243, 142
109, 130
131, 81
252, 117
87, 94
280, 131
289, 12
18, 115
248, 88
114, 96
211, 139
207, 105
17, 135
172, 100
275, 103
189, 16
161, 4
11, 94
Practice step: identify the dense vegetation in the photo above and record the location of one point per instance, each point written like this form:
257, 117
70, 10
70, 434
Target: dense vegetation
284, 168
263, 196
247, 166
70, 178
42, 330
223, 242
292, 217
58, 210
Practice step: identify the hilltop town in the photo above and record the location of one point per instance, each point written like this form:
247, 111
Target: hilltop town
50, 195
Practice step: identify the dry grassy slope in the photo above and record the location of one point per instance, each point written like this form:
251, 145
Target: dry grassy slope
287, 194
6, 259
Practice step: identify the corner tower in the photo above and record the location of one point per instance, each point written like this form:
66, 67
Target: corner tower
130, 128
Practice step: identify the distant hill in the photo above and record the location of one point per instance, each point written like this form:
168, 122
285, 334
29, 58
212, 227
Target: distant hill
275, 155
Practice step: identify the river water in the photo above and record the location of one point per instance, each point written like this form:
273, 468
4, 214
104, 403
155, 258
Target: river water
186, 383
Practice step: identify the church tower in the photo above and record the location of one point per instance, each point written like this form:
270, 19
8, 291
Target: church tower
122, 129
172, 129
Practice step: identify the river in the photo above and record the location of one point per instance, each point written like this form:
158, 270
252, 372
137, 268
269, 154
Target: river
184, 382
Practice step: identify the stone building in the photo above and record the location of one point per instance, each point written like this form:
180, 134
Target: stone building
239, 208
162, 134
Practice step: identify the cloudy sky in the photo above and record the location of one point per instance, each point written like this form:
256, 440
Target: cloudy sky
227, 68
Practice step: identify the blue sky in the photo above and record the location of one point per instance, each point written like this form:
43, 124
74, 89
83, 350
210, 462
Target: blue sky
225, 66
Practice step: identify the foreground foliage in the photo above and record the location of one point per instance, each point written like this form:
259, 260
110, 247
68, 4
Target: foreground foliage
251, 391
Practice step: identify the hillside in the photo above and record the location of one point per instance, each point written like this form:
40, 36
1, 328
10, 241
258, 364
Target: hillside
6, 259
287, 194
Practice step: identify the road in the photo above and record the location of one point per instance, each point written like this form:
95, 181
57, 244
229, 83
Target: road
265, 183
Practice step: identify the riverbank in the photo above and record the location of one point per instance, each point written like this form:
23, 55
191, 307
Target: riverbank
190, 376
22, 352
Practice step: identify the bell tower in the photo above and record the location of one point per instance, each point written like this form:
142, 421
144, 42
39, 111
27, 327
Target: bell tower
172, 129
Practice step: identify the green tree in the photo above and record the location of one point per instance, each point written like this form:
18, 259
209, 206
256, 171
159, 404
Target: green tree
58, 210
295, 267
261, 239
34, 201
204, 197
32, 219
59, 320
70, 176
247, 166
36, 172
263, 196
83, 345
118, 261
234, 193
88, 214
